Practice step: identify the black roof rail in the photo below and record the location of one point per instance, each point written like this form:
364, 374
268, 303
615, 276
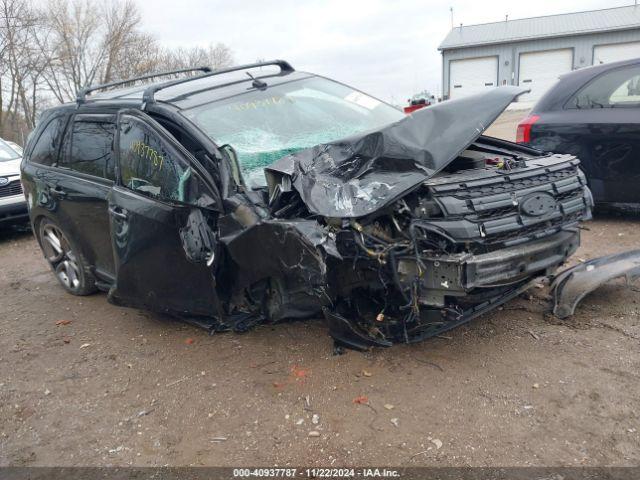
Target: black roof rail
81, 96
150, 91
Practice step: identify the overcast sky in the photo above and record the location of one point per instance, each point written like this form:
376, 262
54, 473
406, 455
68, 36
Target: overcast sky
387, 48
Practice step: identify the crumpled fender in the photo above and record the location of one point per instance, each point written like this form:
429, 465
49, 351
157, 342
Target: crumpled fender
571, 285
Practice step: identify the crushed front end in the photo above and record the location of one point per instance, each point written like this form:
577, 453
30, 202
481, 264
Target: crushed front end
459, 245
404, 232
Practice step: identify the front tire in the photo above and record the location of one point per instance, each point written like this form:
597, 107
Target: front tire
67, 262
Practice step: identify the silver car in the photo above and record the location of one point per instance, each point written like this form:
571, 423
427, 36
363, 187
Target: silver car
13, 207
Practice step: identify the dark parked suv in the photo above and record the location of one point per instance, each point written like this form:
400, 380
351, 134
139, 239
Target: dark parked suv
231, 199
594, 114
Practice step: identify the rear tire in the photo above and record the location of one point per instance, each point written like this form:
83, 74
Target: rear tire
68, 264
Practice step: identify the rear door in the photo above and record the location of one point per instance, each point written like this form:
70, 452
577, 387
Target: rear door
85, 176
163, 222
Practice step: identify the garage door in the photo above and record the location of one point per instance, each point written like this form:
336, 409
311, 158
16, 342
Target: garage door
472, 75
615, 52
539, 70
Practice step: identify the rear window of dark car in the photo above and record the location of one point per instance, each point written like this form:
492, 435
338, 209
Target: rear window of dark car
614, 89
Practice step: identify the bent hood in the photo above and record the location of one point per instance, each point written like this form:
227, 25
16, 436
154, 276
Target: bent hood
358, 175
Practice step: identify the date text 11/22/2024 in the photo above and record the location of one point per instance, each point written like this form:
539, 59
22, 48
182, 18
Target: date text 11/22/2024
315, 473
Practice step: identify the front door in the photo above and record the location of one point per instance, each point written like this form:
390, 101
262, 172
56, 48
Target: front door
163, 222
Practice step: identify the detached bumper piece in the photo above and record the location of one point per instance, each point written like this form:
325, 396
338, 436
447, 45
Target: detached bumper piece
572, 285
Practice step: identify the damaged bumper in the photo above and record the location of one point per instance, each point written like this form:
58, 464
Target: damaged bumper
460, 274
449, 290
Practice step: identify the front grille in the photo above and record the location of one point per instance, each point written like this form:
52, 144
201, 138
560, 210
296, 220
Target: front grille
564, 199
487, 210
10, 189
534, 230
517, 184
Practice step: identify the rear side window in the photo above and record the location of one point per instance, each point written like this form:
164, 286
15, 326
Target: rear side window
614, 89
91, 149
45, 151
152, 166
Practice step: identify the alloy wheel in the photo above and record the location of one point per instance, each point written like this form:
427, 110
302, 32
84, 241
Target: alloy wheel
60, 255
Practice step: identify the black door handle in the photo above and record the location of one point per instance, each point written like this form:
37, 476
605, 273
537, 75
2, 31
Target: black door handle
58, 192
118, 212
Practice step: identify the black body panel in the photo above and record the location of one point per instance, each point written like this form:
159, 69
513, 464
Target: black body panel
153, 270
81, 204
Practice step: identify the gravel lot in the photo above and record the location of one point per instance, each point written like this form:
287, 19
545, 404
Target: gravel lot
83, 382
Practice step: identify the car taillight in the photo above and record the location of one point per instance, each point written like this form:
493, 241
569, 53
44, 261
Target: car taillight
523, 134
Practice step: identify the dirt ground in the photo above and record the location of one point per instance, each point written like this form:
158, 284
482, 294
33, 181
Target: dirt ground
118, 386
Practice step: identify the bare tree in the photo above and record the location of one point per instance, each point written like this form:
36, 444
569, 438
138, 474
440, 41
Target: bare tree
121, 36
74, 39
20, 63
48, 54
214, 56
139, 55
220, 56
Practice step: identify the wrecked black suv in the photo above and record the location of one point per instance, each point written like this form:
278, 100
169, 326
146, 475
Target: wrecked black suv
260, 193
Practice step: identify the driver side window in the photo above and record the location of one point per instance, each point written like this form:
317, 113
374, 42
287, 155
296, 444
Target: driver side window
151, 166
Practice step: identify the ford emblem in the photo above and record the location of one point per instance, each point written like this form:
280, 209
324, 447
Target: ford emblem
538, 204
3, 181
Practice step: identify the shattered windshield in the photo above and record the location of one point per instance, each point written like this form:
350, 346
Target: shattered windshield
7, 153
265, 125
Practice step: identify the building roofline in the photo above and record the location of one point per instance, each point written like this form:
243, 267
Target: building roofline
552, 15
576, 33
515, 20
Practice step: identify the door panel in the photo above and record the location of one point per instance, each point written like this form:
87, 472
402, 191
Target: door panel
153, 270
80, 187
82, 203
159, 195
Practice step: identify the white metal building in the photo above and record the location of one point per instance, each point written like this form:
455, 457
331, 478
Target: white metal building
533, 52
